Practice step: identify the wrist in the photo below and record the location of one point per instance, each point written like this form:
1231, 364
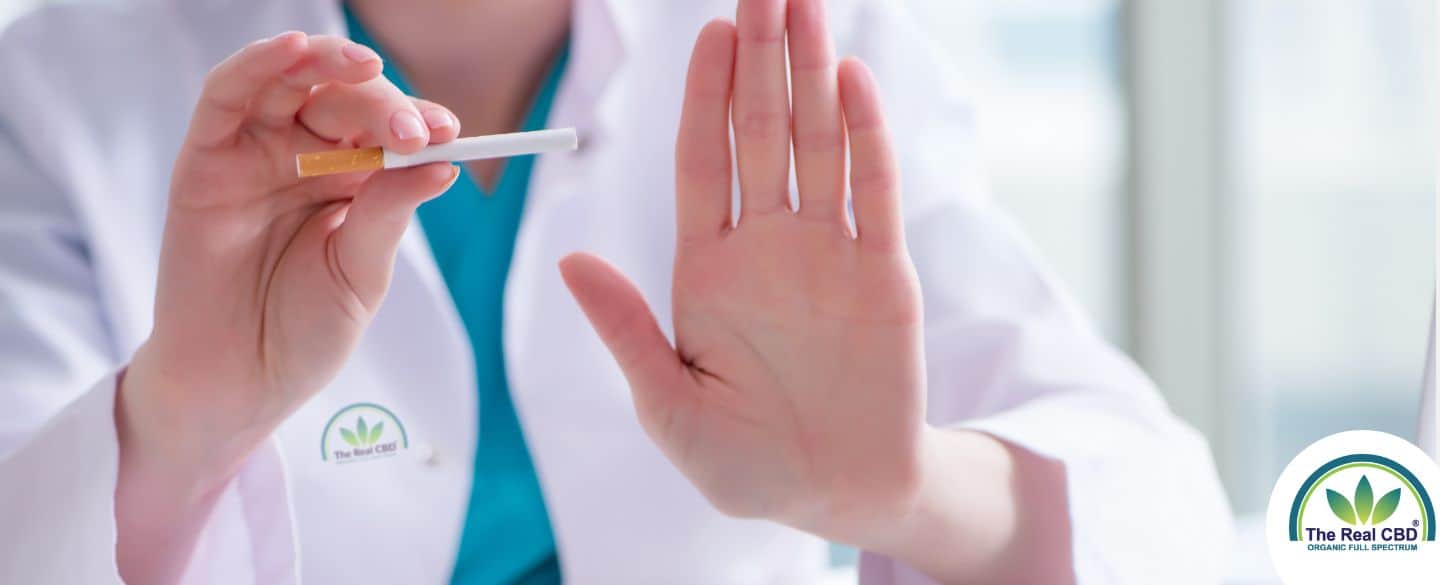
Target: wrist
960, 519
162, 495
166, 430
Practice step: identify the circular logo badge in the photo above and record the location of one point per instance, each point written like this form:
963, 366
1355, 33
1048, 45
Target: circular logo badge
362, 431
1355, 507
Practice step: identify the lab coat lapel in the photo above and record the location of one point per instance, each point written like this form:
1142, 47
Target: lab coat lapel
416, 360
596, 52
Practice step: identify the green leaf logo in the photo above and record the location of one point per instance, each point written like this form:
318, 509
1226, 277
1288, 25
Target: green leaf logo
360, 432
349, 437
1364, 500
364, 435
1386, 506
1340, 506
1366, 510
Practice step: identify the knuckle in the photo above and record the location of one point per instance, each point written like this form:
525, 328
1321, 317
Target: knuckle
300, 80
429, 110
885, 243
374, 99
324, 40
328, 93
731, 504
691, 241
761, 35
709, 90
821, 62
775, 202
437, 174
763, 124
819, 141
703, 168
880, 178
216, 74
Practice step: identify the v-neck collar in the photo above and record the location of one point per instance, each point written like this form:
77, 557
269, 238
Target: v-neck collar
535, 116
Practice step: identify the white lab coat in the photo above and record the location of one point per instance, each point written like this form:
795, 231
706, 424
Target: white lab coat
93, 103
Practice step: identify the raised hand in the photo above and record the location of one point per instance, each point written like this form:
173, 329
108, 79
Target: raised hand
795, 388
266, 281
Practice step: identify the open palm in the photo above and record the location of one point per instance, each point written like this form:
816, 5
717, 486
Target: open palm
795, 389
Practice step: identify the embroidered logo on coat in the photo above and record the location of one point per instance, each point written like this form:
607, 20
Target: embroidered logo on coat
362, 432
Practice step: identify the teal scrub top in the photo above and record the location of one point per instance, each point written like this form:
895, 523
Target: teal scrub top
507, 537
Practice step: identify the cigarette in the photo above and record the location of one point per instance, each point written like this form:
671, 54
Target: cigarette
331, 162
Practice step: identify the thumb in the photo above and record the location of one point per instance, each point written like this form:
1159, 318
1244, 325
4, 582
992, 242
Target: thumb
625, 323
377, 219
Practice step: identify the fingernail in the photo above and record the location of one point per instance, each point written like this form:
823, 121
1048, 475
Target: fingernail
438, 119
359, 53
406, 126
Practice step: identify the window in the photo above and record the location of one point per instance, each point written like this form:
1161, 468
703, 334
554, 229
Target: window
1331, 137
1046, 83
1241, 193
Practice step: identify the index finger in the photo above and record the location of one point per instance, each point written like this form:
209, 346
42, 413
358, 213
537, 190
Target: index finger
326, 59
702, 149
237, 80
874, 170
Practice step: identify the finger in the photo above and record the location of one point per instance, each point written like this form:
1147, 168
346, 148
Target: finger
702, 152
762, 107
373, 113
327, 59
618, 313
235, 82
444, 125
378, 217
874, 172
817, 124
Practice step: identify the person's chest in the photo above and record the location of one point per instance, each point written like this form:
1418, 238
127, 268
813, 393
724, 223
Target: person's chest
613, 499
390, 509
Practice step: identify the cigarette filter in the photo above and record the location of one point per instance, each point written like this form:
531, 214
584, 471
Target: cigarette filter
331, 162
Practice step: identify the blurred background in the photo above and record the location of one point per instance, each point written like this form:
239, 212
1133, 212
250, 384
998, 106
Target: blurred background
1241, 193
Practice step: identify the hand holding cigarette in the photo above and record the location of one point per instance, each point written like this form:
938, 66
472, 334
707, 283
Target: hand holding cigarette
266, 281
319, 251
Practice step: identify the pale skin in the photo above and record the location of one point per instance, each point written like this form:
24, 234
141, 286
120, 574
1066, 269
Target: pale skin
795, 390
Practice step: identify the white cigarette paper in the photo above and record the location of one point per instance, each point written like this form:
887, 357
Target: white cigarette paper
492, 146
331, 162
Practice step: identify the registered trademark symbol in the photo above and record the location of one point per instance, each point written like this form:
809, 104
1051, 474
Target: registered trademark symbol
1415, 523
